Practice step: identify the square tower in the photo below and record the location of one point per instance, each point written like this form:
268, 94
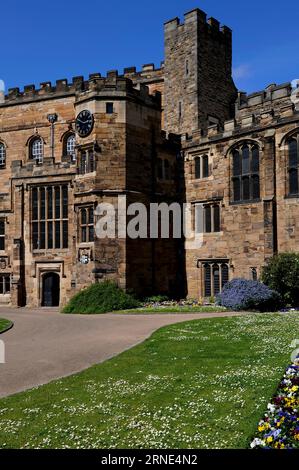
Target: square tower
198, 73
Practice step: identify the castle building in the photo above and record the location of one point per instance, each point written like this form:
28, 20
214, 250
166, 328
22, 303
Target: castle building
181, 133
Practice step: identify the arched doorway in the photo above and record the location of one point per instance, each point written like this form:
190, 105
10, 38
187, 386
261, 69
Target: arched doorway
50, 290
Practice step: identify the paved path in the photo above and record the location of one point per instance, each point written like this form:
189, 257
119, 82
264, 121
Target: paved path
44, 345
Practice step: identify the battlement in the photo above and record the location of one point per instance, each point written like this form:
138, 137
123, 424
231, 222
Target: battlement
275, 99
148, 72
62, 85
112, 82
254, 111
272, 93
199, 17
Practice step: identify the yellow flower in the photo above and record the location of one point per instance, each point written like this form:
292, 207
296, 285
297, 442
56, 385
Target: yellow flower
269, 439
294, 388
263, 427
279, 445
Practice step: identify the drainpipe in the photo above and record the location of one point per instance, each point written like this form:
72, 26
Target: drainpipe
275, 215
52, 118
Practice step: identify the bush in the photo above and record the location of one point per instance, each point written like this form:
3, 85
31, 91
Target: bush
282, 274
100, 298
243, 294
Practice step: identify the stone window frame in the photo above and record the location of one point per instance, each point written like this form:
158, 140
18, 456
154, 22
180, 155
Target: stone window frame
208, 268
110, 107
284, 155
45, 227
292, 167
86, 226
5, 283
252, 175
2, 155
67, 155
201, 171
2, 233
39, 157
213, 224
86, 161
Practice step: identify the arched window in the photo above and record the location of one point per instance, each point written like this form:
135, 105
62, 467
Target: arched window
2, 155
69, 147
245, 172
293, 163
37, 150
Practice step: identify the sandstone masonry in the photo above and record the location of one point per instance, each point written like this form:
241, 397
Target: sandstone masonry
179, 133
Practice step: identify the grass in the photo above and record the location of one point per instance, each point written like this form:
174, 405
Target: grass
198, 384
4, 324
174, 309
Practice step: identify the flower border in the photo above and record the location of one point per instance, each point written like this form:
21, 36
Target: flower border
280, 427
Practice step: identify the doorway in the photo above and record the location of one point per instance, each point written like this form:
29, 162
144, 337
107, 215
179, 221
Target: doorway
50, 290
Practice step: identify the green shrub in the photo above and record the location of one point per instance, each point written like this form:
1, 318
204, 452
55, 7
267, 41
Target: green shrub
282, 274
100, 298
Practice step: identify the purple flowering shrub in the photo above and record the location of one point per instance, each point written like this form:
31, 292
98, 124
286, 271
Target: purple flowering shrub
244, 294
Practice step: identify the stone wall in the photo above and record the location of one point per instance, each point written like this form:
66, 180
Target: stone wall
254, 231
198, 82
126, 145
193, 98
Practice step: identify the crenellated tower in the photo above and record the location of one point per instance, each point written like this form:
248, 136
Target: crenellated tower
199, 89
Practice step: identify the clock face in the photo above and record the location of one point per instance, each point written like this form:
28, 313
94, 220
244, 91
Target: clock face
84, 123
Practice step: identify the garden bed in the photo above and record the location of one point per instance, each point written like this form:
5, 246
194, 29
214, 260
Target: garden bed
175, 306
280, 427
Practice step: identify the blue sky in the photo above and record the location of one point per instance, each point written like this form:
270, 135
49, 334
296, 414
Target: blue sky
43, 41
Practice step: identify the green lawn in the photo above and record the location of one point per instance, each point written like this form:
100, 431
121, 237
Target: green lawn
4, 324
199, 384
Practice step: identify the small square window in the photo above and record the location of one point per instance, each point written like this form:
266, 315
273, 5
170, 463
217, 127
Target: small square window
109, 108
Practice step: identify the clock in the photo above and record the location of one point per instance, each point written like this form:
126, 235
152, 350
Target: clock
84, 123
